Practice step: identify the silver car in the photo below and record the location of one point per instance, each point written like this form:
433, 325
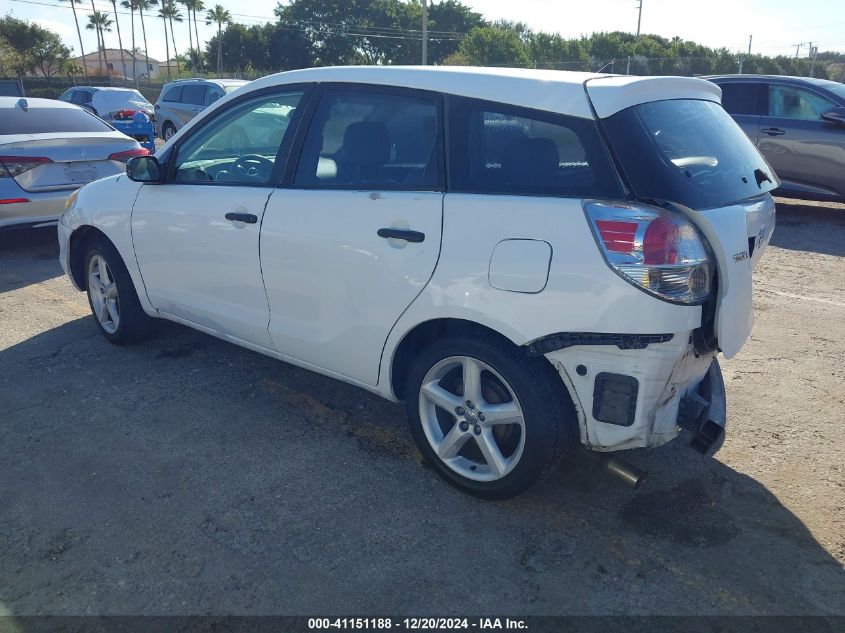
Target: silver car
48, 149
182, 100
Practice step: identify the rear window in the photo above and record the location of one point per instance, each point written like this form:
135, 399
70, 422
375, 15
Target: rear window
689, 152
49, 121
499, 148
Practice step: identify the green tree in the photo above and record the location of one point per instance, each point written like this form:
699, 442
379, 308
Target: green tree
220, 16
492, 46
11, 62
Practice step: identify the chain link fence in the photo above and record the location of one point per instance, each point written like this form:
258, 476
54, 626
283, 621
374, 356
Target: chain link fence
635, 65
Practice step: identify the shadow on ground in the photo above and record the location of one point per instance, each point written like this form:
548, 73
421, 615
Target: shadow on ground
188, 476
33, 253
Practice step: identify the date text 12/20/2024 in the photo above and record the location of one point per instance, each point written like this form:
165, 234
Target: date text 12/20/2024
416, 624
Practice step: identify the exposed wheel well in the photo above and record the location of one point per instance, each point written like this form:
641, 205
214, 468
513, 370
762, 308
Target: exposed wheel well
422, 336
79, 240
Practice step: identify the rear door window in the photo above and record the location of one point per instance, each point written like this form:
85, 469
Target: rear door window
497, 148
49, 120
193, 94
788, 102
741, 98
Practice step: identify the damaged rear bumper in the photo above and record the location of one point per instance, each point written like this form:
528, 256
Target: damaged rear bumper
634, 398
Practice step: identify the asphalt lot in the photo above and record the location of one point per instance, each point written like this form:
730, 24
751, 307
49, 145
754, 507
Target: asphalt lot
189, 476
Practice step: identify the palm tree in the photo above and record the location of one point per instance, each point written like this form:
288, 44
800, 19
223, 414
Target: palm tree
130, 4
100, 51
220, 16
198, 5
101, 23
73, 4
163, 15
145, 5
119, 38
174, 15
188, 4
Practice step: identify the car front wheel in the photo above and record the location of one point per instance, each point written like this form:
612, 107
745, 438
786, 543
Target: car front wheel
112, 297
491, 420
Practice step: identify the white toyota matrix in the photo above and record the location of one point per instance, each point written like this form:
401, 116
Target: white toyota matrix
530, 260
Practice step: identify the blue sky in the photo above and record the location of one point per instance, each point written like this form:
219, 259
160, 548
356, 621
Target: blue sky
777, 25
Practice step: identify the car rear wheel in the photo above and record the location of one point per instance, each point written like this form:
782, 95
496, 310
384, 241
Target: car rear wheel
491, 420
112, 297
168, 130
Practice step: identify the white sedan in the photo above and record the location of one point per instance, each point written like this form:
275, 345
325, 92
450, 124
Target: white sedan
531, 260
48, 149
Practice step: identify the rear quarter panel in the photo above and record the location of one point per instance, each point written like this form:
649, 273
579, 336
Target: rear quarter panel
582, 294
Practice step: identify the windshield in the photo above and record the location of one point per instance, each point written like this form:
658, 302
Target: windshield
689, 152
49, 121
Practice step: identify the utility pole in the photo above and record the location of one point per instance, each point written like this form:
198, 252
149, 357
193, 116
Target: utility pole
425, 33
640, 17
814, 50
798, 49
749, 43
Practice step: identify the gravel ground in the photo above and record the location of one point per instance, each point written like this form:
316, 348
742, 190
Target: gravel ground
189, 476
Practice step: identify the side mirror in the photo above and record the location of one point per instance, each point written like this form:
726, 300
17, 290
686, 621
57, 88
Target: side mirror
144, 169
835, 115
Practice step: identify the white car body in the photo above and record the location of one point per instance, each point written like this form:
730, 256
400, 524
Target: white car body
312, 284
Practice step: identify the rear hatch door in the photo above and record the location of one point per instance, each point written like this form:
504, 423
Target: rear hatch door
676, 147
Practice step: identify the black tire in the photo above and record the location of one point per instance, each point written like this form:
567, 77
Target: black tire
166, 127
548, 413
134, 324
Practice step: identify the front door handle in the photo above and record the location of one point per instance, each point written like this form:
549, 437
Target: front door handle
402, 234
247, 218
773, 131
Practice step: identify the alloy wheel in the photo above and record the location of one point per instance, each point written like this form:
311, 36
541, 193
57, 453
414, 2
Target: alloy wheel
472, 419
103, 293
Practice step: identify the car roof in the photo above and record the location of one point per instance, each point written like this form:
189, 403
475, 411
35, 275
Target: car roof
194, 80
34, 102
550, 90
786, 78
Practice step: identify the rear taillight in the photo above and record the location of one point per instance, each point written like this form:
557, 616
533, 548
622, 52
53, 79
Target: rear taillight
124, 156
11, 166
657, 250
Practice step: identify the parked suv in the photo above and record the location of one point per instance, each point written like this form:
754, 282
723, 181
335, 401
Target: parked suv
531, 260
798, 124
182, 100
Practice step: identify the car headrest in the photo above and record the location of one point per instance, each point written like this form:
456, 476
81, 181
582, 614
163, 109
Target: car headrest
531, 160
366, 143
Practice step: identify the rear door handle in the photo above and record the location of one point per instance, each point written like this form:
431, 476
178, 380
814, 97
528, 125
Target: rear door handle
248, 218
402, 234
773, 131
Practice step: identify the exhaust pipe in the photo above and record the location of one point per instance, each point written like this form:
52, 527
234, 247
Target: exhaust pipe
625, 471
618, 467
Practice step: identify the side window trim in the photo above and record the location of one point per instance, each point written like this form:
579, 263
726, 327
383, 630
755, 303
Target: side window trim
170, 158
322, 88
